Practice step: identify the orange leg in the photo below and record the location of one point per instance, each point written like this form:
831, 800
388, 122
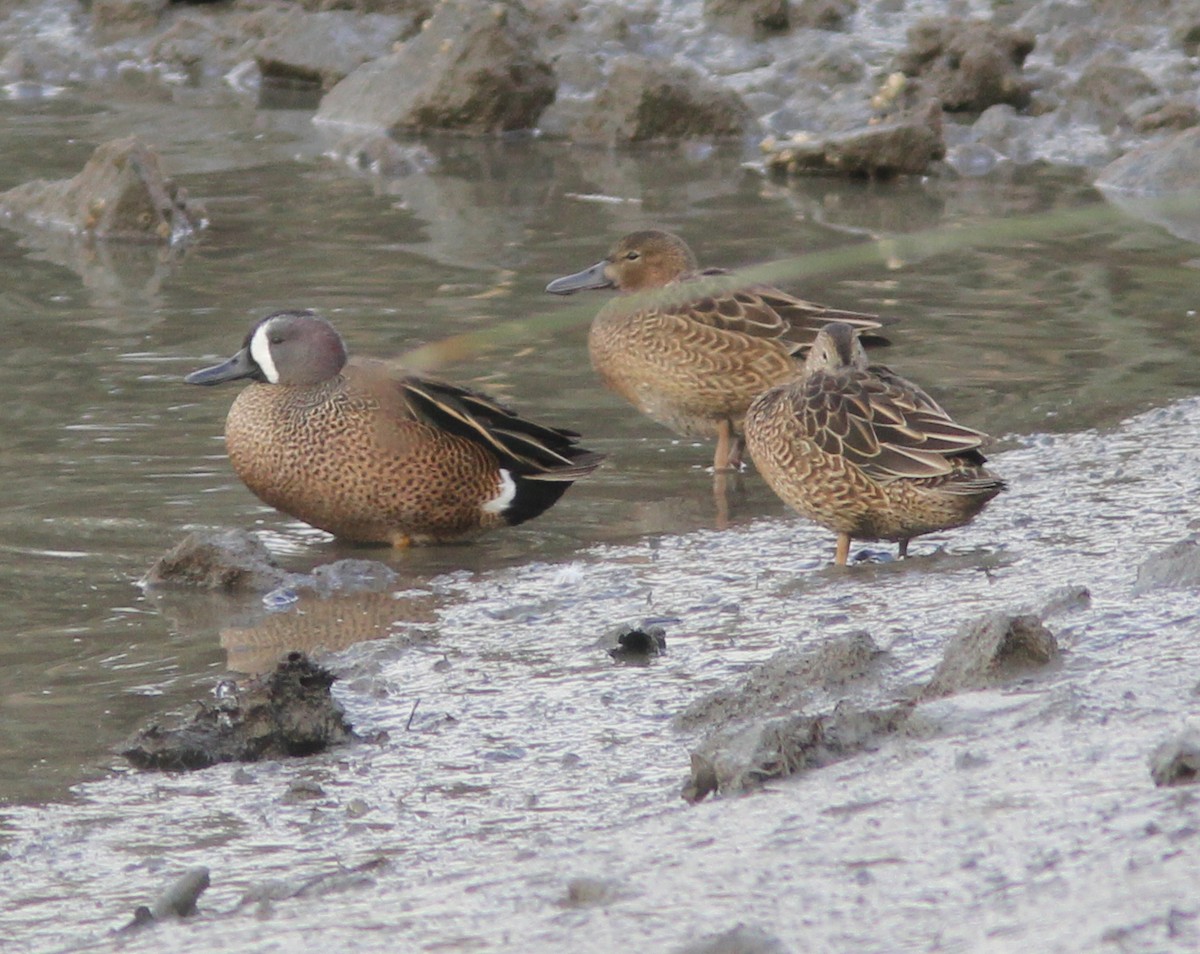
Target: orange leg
728, 455
843, 549
401, 541
721, 498
737, 447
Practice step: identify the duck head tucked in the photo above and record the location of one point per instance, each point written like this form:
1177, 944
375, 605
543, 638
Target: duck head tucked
864, 452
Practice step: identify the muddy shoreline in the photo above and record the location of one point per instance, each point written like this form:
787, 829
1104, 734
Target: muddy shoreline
990, 746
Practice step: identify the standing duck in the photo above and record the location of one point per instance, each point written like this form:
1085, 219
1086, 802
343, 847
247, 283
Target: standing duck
361, 450
862, 451
694, 356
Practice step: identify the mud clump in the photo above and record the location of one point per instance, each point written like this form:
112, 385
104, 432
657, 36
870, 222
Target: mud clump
782, 747
761, 730
121, 194
990, 650
788, 681
1177, 761
288, 712
232, 561
637, 643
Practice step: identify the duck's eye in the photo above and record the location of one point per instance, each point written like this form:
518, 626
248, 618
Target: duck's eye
275, 339
632, 255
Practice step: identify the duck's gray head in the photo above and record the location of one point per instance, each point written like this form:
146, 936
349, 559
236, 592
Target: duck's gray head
836, 347
295, 348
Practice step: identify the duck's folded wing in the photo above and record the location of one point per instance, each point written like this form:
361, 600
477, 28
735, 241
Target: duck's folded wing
532, 449
885, 428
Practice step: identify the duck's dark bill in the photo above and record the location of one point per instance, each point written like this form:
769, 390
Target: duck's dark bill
239, 366
593, 277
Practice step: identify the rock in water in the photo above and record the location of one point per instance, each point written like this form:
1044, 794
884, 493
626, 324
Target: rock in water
122, 194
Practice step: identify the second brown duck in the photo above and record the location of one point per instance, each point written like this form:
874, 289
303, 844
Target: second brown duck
864, 452
695, 356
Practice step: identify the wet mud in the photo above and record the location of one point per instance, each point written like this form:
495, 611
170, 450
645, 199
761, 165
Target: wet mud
287, 713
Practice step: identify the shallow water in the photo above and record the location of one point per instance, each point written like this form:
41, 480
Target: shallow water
529, 758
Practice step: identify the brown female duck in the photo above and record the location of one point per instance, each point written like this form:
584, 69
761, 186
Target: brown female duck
696, 355
372, 455
862, 451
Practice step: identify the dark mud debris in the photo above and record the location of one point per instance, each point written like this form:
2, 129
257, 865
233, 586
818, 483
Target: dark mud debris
990, 650
289, 712
177, 901
585, 892
1177, 761
637, 643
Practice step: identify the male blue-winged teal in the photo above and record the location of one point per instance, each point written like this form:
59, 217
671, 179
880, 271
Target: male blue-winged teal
373, 455
862, 451
696, 355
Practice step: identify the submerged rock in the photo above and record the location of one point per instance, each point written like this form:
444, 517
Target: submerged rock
474, 68
230, 560
122, 194
289, 712
968, 65
646, 100
1177, 761
992, 649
